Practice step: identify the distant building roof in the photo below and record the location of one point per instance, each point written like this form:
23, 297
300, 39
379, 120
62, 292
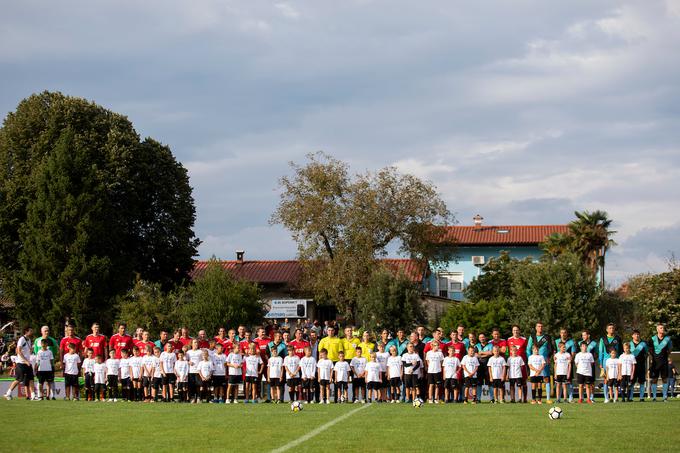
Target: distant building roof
289, 272
500, 234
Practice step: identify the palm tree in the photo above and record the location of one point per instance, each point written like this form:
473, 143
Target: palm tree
591, 238
556, 244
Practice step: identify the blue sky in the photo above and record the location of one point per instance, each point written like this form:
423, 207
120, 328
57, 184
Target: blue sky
521, 111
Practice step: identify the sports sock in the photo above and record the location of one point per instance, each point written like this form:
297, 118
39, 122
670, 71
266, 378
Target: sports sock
654, 388
479, 392
539, 393
606, 392
664, 389
642, 391
570, 389
547, 390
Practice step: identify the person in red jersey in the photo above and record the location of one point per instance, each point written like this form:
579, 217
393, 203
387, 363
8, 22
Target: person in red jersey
519, 342
262, 345
175, 342
221, 337
121, 342
70, 338
496, 340
138, 334
203, 342
144, 343
96, 341
244, 344
438, 336
184, 337
299, 344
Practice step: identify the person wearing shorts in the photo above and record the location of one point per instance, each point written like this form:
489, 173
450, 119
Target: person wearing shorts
584, 361
412, 365
660, 348
639, 349
470, 365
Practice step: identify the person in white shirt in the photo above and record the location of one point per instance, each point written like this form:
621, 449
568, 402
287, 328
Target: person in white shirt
497, 372
254, 366
125, 381
88, 375
412, 365
308, 374
99, 373
451, 365
628, 362
205, 371
373, 378
516, 375
433, 360
169, 378
45, 368
324, 375
562, 371
274, 366
136, 374
584, 361
157, 382
219, 379
234, 364
341, 379
358, 366
194, 356
381, 357
394, 372
536, 363
182, 375
291, 363
112, 375
148, 370
23, 369
470, 365
612, 375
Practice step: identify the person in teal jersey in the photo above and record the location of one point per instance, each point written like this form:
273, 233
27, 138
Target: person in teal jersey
278, 344
52, 343
607, 343
484, 351
660, 350
639, 349
422, 335
570, 347
546, 348
400, 342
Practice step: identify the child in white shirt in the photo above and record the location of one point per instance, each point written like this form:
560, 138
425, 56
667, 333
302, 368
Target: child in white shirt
412, 365
254, 366
99, 373
433, 360
612, 375
394, 372
451, 365
584, 373
373, 377
182, 373
45, 369
88, 375
125, 381
205, 371
341, 371
628, 363
562, 371
291, 363
308, 374
325, 368
169, 378
234, 364
497, 372
112, 375
274, 365
536, 364
470, 365
516, 375
381, 357
358, 366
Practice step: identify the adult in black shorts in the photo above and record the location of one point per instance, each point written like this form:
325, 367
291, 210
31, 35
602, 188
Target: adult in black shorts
23, 372
660, 348
640, 350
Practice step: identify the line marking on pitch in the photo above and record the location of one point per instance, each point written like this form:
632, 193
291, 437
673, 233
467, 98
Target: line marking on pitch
319, 430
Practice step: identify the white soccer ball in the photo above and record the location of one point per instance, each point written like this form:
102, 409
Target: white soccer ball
417, 402
555, 413
296, 406
342, 399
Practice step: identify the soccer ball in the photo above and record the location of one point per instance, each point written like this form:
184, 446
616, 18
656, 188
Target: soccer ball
342, 399
555, 413
296, 406
417, 402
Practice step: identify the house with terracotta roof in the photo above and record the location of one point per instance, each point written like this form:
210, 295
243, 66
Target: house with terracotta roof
280, 279
476, 244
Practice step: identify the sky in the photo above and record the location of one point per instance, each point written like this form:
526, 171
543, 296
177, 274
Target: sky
521, 111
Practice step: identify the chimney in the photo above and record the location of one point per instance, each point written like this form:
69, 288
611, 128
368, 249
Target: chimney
478, 220
239, 255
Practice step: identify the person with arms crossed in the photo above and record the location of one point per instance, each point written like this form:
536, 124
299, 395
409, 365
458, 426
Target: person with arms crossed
660, 348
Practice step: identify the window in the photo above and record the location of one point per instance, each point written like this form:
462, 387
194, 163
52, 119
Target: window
450, 284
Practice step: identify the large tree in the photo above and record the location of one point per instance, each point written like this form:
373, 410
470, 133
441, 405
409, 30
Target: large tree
343, 223
84, 206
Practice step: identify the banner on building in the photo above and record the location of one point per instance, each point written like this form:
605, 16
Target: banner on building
287, 308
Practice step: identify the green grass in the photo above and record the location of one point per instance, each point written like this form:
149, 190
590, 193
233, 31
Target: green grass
84, 426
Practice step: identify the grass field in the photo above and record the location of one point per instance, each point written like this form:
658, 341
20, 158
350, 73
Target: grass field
85, 426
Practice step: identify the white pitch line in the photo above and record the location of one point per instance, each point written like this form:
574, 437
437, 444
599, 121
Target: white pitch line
318, 430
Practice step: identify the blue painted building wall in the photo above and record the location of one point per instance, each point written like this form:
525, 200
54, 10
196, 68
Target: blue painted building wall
463, 264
